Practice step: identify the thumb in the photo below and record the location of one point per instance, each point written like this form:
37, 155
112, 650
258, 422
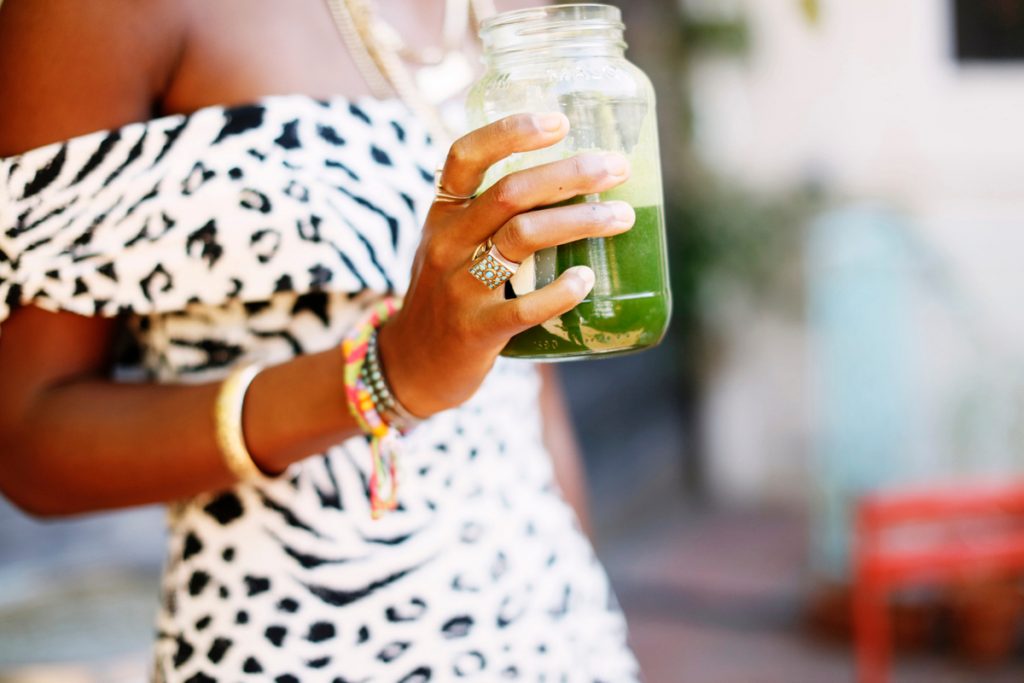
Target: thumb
547, 302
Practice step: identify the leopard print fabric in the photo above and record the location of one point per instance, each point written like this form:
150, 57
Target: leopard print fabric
262, 232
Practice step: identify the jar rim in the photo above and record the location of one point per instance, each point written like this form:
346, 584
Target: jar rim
608, 15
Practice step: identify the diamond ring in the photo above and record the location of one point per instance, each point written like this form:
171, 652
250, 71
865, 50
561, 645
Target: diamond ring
490, 266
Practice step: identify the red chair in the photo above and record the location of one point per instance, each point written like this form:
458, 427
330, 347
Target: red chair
926, 537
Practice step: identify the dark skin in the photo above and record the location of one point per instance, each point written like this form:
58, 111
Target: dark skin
70, 438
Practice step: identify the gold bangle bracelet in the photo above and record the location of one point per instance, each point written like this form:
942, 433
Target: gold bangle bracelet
228, 416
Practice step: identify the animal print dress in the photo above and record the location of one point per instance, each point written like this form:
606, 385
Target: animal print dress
263, 232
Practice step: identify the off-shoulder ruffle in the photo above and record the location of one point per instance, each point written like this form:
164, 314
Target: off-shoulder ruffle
289, 194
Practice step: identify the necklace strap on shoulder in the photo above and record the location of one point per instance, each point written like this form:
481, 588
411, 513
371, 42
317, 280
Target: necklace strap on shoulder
347, 24
382, 66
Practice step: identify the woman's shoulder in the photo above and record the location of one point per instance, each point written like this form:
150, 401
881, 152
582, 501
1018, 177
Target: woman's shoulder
74, 67
104, 208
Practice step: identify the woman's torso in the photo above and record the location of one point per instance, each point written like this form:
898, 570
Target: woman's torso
261, 231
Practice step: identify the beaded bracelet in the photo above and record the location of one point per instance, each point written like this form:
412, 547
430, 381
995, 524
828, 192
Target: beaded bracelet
388, 405
384, 444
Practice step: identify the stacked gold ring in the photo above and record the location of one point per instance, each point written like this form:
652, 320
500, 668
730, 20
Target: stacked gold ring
443, 195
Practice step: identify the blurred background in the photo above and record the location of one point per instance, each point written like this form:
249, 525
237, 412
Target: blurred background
845, 185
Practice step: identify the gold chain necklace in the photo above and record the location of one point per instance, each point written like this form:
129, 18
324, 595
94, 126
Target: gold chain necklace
378, 57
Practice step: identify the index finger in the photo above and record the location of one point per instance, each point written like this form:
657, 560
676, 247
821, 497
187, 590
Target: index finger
471, 155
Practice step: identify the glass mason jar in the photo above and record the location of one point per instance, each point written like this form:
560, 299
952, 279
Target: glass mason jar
570, 58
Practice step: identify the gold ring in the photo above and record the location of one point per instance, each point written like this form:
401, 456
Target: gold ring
443, 195
490, 266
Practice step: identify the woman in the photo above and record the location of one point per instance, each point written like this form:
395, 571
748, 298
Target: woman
212, 178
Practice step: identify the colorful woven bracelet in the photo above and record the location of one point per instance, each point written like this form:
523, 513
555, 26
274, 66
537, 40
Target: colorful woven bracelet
359, 396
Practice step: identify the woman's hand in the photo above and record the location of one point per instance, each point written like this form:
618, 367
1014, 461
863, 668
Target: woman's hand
440, 346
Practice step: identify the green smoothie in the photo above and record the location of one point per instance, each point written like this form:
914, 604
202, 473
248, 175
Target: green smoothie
629, 307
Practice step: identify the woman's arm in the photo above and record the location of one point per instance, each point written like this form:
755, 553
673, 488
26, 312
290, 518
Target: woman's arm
73, 441
560, 439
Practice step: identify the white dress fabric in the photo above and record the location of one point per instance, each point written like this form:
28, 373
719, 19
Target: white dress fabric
262, 232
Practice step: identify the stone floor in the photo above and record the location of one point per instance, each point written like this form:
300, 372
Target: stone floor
716, 597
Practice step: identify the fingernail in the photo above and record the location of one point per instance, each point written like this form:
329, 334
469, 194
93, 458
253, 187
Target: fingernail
616, 164
549, 123
622, 213
582, 279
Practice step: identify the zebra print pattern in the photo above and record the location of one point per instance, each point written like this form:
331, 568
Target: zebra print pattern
263, 232
134, 220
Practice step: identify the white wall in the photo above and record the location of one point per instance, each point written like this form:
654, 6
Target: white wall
870, 98
871, 104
